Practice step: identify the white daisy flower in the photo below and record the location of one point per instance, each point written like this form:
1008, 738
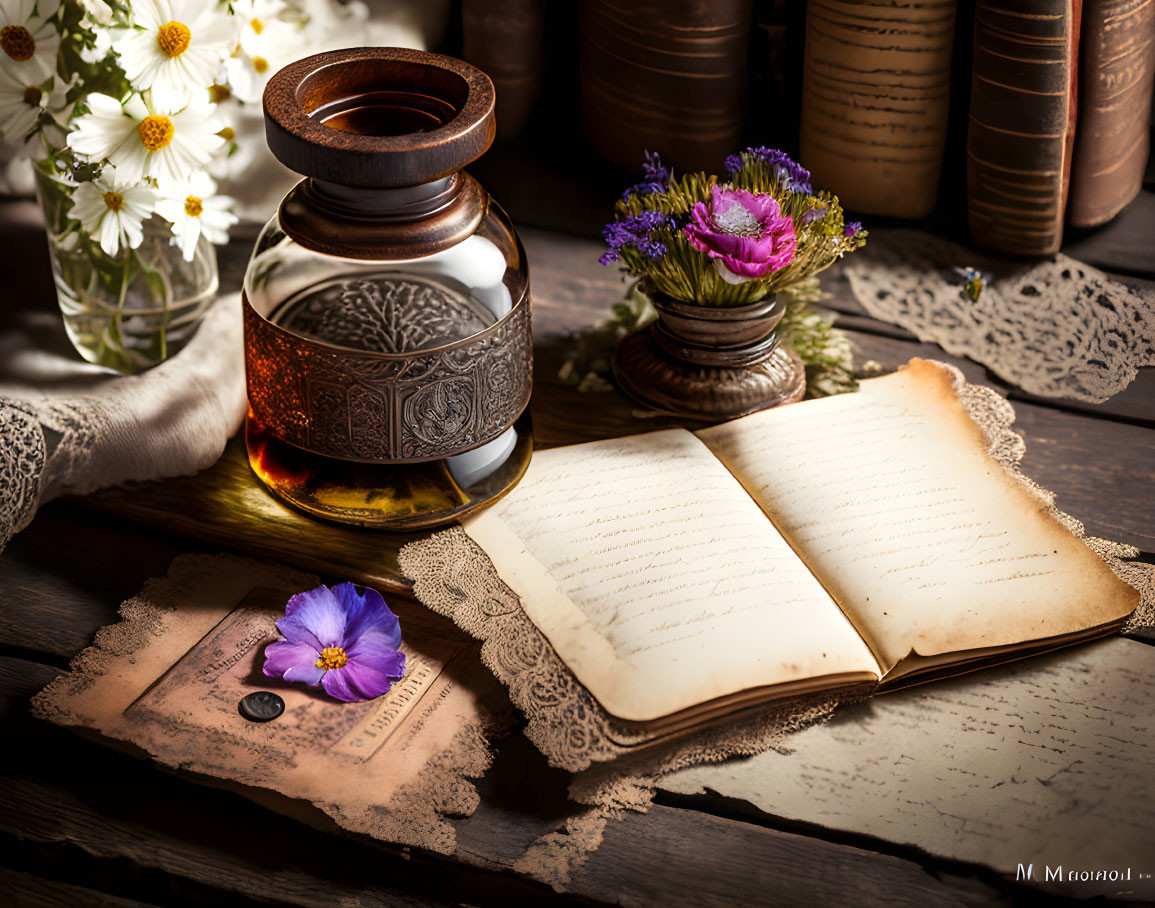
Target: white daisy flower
267, 44
112, 213
28, 42
195, 210
20, 107
177, 48
146, 141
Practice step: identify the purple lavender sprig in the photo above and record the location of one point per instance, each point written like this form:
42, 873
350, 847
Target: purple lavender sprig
634, 232
793, 176
655, 176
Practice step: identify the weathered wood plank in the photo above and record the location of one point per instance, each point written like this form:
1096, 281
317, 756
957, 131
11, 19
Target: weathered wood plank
64, 576
217, 840
1046, 761
710, 860
23, 889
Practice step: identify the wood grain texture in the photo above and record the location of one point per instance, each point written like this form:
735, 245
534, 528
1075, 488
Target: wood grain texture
875, 99
1046, 761
1021, 124
24, 889
1116, 66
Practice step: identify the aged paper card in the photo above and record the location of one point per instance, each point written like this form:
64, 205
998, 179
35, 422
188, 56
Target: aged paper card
1046, 762
170, 677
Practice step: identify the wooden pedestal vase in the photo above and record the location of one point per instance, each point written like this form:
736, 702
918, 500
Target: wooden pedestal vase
710, 363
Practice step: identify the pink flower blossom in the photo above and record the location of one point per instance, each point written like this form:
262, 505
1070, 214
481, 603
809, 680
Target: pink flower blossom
745, 234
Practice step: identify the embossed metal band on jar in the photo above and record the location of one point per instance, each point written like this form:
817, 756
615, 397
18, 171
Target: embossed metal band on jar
407, 398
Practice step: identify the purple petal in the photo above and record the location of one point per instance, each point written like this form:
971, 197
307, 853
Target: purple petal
387, 661
367, 612
314, 617
293, 662
336, 684
369, 681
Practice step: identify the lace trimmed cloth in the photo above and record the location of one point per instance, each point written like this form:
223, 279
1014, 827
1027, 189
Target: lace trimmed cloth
454, 577
1055, 328
67, 427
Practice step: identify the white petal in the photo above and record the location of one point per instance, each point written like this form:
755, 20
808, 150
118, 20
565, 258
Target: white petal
110, 234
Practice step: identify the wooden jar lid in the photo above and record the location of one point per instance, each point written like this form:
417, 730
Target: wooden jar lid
321, 83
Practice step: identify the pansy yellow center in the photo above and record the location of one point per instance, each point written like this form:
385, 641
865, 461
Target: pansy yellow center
218, 93
173, 38
228, 133
17, 42
32, 96
114, 200
260, 64
193, 208
258, 25
332, 657
156, 132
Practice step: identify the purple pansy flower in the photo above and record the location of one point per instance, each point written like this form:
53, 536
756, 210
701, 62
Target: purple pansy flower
745, 234
341, 639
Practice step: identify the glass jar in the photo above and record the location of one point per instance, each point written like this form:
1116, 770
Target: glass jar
387, 335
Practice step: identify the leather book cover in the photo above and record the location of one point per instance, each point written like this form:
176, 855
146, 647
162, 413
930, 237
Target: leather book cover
1117, 65
1022, 123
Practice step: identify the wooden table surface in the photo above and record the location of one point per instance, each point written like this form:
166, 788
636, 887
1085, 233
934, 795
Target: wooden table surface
82, 824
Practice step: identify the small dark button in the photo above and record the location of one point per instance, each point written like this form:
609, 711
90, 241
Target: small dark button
261, 706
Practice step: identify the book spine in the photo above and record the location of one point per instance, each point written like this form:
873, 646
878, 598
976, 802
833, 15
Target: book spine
666, 76
1022, 121
1112, 143
875, 101
505, 39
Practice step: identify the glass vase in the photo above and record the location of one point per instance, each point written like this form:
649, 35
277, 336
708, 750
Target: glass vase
131, 310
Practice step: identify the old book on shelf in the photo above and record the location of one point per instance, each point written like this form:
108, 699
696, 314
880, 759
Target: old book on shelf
856, 542
1022, 123
1111, 144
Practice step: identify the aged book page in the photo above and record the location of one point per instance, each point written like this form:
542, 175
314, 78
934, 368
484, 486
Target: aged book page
660, 582
927, 543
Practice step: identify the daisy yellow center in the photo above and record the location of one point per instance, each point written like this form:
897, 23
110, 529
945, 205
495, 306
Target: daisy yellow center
218, 93
258, 25
17, 42
260, 64
737, 220
332, 657
193, 208
173, 38
156, 132
32, 95
114, 200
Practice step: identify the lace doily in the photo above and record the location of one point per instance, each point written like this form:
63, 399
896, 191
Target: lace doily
454, 577
1055, 328
416, 813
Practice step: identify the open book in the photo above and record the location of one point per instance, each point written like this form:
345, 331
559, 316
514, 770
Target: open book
864, 539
